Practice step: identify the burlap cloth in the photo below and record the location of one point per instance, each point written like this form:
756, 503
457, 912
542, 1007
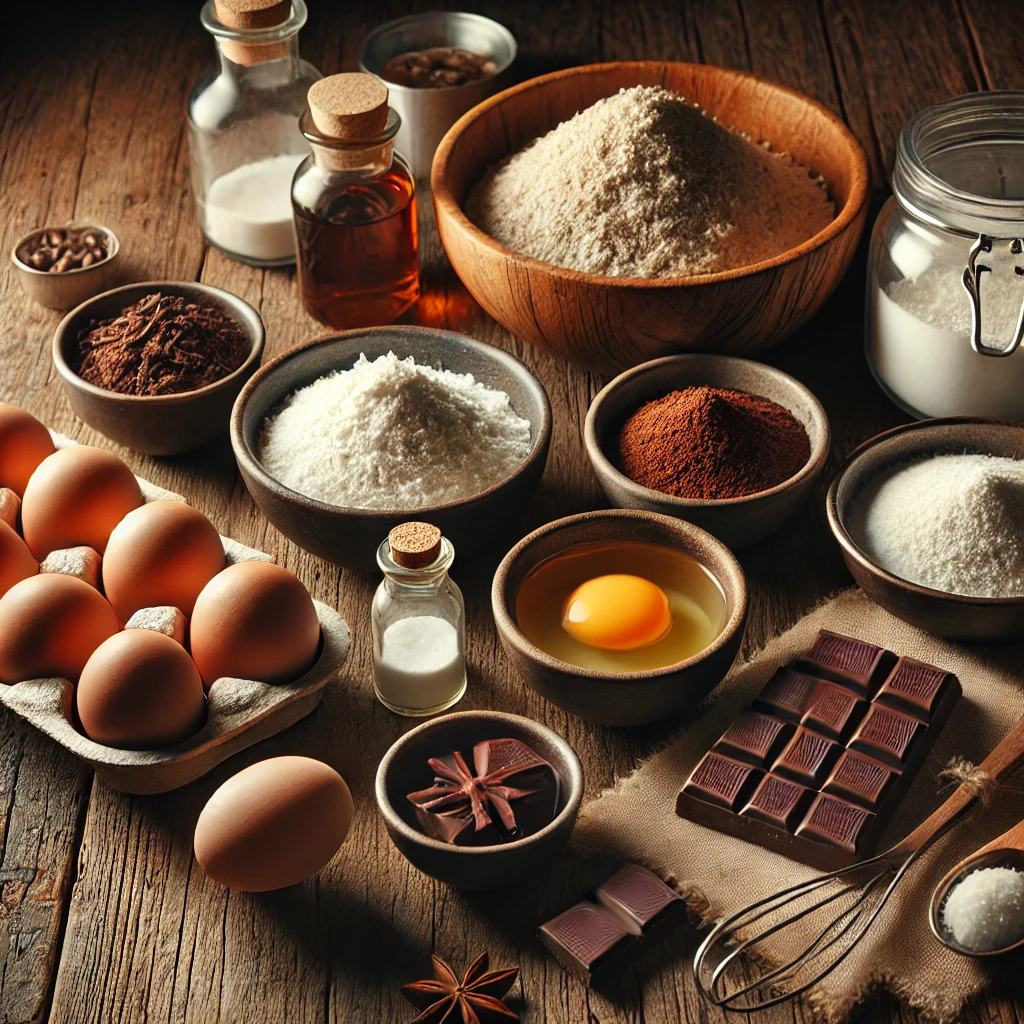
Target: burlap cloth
718, 874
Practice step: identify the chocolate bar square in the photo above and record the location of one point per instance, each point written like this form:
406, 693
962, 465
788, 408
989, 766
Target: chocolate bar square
755, 738
834, 712
852, 663
779, 802
838, 824
887, 736
638, 897
807, 759
788, 695
584, 937
860, 780
916, 688
721, 781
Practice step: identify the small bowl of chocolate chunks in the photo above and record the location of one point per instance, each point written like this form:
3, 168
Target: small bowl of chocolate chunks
61, 267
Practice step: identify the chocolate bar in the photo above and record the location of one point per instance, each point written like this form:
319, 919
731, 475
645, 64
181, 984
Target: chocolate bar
613, 921
815, 768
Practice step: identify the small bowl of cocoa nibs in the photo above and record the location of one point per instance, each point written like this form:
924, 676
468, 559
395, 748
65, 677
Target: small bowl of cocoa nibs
61, 267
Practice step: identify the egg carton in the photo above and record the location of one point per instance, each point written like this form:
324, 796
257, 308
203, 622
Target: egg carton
240, 712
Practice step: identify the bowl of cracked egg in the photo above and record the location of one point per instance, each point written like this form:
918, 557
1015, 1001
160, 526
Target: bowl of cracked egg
343, 438
622, 617
614, 213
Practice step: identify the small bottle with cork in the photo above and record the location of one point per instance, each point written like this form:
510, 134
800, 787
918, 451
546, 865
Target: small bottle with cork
419, 623
354, 203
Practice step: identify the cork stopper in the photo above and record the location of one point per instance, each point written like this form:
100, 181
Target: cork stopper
252, 13
349, 107
414, 545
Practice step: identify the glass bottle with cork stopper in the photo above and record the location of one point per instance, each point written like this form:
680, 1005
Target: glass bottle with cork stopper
419, 623
243, 128
354, 201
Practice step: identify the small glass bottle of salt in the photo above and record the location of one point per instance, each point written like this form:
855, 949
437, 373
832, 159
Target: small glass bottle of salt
243, 128
419, 623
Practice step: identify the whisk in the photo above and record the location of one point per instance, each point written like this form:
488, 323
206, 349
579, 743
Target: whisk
727, 968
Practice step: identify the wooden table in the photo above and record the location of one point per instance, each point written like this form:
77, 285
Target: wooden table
104, 914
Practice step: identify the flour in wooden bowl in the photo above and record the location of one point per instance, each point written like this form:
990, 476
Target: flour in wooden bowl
644, 184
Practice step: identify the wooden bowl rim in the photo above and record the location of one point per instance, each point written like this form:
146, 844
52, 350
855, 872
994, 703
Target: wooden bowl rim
255, 333
244, 453
508, 628
811, 468
852, 550
851, 209
573, 785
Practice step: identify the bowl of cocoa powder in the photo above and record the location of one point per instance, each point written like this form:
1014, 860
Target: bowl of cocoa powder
730, 445
157, 366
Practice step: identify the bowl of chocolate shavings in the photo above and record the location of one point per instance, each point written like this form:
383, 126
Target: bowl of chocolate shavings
157, 366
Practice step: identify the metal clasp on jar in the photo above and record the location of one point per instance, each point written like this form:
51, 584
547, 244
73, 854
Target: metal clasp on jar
972, 285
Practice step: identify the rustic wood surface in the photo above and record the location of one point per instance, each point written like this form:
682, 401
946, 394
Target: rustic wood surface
103, 915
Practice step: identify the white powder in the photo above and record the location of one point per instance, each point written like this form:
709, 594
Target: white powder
420, 665
985, 911
392, 434
953, 523
249, 210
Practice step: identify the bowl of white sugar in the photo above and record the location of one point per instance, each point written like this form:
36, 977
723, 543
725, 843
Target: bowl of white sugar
342, 439
930, 517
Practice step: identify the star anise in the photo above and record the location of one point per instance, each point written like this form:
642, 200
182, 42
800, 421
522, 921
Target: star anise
477, 999
461, 796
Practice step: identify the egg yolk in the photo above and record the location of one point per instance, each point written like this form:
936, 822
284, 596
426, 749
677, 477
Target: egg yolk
617, 613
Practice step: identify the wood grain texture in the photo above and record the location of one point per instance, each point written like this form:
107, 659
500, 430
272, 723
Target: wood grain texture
92, 124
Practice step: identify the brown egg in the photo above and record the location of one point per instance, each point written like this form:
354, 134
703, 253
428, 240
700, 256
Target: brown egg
275, 823
254, 620
24, 443
140, 691
49, 626
16, 561
10, 503
163, 552
76, 496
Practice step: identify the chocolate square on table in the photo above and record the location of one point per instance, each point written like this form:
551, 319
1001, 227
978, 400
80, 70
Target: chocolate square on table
856, 664
788, 694
860, 780
755, 738
834, 712
721, 781
638, 897
916, 688
887, 736
807, 759
839, 824
584, 937
779, 802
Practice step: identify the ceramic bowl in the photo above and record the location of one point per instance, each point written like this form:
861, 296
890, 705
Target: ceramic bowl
610, 323
350, 536
626, 698
156, 424
63, 291
404, 769
967, 619
734, 521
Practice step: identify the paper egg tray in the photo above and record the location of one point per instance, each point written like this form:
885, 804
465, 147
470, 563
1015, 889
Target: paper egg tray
240, 712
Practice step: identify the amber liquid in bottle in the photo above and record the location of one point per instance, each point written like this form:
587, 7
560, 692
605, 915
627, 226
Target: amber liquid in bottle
357, 251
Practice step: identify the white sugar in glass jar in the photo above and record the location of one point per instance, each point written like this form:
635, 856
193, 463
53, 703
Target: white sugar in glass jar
945, 302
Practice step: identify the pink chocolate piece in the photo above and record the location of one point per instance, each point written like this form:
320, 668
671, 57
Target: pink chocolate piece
82, 562
9, 505
163, 618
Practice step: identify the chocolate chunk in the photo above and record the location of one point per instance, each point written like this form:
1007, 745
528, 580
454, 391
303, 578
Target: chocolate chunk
853, 663
836, 823
720, 781
779, 802
807, 759
860, 780
637, 896
788, 694
887, 735
755, 738
835, 712
584, 937
916, 688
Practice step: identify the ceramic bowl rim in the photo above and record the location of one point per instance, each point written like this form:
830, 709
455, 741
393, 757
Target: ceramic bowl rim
244, 454
816, 461
843, 218
252, 327
112, 251
852, 550
573, 786
508, 628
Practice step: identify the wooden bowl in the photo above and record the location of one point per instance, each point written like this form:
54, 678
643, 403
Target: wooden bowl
967, 619
157, 424
620, 698
734, 521
350, 536
610, 323
63, 291
404, 770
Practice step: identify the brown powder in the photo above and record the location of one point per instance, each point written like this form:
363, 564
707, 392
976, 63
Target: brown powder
712, 443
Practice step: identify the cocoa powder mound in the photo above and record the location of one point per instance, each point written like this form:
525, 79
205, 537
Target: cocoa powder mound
712, 443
